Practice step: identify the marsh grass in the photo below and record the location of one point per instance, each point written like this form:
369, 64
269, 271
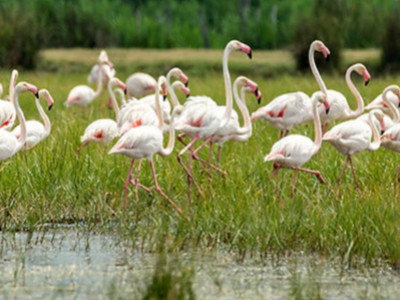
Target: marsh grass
246, 212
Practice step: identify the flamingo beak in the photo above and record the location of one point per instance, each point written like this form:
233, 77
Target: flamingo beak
327, 107
164, 97
50, 107
367, 77
37, 95
187, 83
250, 55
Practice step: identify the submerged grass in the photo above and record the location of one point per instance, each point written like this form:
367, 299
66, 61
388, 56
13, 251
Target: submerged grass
246, 212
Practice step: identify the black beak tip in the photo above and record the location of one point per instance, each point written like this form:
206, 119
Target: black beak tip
50, 107
259, 100
327, 110
366, 83
125, 92
188, 95
164, 97
250, 55
186, 83
382, 132
327, 57
37, 95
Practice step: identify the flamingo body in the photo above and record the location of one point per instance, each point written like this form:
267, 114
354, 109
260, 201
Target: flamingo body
35, 132
7, 115
9, 144
140, 84
101, 131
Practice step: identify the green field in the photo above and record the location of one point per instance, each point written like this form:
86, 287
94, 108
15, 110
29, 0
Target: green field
247, 213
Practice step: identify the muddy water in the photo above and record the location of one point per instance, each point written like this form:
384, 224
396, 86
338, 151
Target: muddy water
66, 264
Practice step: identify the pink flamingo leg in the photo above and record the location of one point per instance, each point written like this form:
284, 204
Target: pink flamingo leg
276, 170
78, 151
219, 154
188, 169
354, 173
397, 181
158, 189
316, 173
137, 184
281, 134
209, 161
286, 133
341, 175
126, 185
180, 139
206, 141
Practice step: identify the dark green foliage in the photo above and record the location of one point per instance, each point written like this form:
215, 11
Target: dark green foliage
391, 43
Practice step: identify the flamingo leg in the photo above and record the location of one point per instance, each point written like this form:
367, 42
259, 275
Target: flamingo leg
294, 181
341, 175
158, 189
188, 168
137, 184
180, 139
209, 160
354, 173
126, 185
286, 133
316, 173
78, 151
281, 134
276, 170
206, 141
219, 154
397, 181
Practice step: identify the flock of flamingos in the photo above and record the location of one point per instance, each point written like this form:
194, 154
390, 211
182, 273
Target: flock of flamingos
146, 115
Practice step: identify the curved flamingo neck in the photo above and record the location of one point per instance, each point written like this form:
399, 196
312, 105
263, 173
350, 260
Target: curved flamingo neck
171, 142
45, 118
21, 119
360, 102
99, 82
171, 91
392, 108
227, 82
377, 141
13, 82
114, 102
314, 69
317, 125
241, 103
158, 106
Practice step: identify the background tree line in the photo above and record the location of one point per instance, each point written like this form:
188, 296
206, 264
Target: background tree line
26, 25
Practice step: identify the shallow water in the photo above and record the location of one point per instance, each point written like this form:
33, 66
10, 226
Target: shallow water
67, 264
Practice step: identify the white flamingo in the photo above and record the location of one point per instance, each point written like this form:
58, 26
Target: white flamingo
108, 69
288, 110
35, 130
292, 151
145, 141
339, 108
200, 119
140, 84
103, 131
82, 95
7, 110
354, 136
9, 144
233, 131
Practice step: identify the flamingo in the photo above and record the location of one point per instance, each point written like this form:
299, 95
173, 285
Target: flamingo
339, 108
35, 130
233, 131
9, 144
7, 110
288, 110
354, 136
294, 150
391, 138
145, 141
103, 131
82, 95
200, 119
140, 112
140, 84
108, 69
378, 102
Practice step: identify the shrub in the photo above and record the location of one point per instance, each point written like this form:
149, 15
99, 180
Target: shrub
391, 43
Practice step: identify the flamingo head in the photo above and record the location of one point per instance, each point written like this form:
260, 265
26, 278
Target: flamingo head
235, 45
116, 82
320, 97
26, 87
380, 116
362, 70
319, 46
43, 93
103, 59
180, 86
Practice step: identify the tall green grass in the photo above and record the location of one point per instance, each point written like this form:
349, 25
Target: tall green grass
246, 212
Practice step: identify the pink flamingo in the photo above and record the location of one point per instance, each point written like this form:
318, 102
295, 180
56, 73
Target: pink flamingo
354, 136
35, 130
200, 119
107, 66
339, 108
9, 144
82, 95
7, 110
233, 131
294, 150
145, 141
288, 110
140, 84
103, 131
